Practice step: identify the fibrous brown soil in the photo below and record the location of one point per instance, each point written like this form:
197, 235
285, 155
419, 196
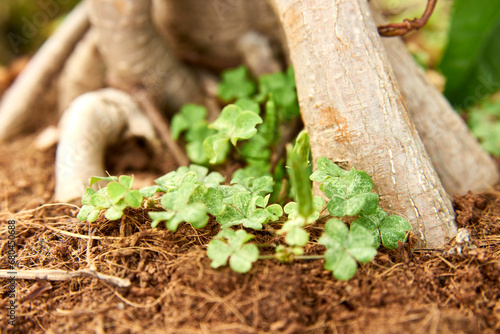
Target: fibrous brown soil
174, 290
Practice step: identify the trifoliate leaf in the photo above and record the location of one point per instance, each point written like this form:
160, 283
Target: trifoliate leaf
87, 195
113, 213
158, 217
297, 237
235, 84
93, 215
235, 124
345, 247
326, 169
84, 212
232, 245
241, 261
248, 104
149, 191
126, 181
99, 201
95, 179
392, 230
350, 194
134, 198
186, 118
214, 146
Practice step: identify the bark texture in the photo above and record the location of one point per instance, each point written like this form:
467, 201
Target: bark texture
135, 54
207, 32
458, 158
25, 92
355, 114
83, 72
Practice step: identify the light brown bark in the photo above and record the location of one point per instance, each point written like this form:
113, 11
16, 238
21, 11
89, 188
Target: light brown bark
135, 54
355, 114
83, 72
92, 122
206, 32
459, 160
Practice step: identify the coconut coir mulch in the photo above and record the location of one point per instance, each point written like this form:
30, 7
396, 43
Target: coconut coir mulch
174, 290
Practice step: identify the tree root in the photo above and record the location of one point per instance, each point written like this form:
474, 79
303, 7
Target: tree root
83, 72
459, 160
257, 54
63, 275
25, 92
92, 122
135, 54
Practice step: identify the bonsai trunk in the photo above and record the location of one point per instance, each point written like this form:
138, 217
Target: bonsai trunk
355, 114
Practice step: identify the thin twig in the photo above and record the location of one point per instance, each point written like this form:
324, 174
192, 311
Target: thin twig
161, 125
63, 275
402, 28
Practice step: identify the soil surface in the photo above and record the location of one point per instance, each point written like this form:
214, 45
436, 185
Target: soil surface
174, 290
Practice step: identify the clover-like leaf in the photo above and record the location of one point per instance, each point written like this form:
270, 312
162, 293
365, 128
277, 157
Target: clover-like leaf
255, 185
392, 230
235, 124
350, 194
116, 191
87, 195
134, 198
189, 115
158, 217
149, 191
232, 245
95, 179
84, 211
248, 104
243, 211
281, 88
326, 170
214, 202
295, 234
235, 84
292, 209
384, 228
214, 145
345, 247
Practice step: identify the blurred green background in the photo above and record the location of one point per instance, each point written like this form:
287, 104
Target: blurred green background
26, 24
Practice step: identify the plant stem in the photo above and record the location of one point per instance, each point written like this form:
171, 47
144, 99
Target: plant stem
267, 257
308, 257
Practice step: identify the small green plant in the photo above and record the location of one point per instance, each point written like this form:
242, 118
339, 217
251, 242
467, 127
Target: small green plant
484, 122
193, 195
114, 198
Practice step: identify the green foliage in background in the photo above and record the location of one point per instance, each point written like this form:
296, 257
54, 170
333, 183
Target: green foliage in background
471, 62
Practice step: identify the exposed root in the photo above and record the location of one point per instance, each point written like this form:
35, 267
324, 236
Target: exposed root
161, 126
136, 55
84, 71
63, 275
258, 54
19, 100
93, 121
459, 160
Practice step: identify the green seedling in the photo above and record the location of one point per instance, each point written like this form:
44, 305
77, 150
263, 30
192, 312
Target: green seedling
345, 247
232, 245
233, 124
235, 84
117, 196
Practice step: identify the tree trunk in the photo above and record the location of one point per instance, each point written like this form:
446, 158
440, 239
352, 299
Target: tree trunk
355, 114
459, 160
